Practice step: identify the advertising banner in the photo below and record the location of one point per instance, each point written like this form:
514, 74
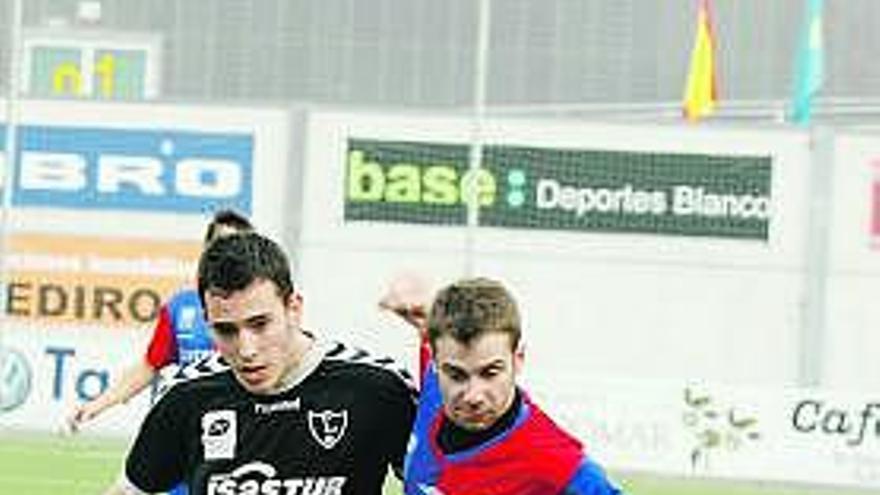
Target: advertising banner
561, 189
145, 170
855, 210
59, 279
112, 169
784, 434
43, 378
91, 63
79, 310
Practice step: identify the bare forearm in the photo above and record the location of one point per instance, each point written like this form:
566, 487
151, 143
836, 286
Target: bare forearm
133, 380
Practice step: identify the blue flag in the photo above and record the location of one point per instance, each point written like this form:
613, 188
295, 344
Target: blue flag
810, 65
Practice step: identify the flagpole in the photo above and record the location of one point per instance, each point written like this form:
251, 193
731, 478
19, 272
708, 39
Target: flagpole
475, 156
812, 348
10, 152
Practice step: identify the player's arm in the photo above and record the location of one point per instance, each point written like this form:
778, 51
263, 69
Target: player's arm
409, 297
156, 461
122, 488
590, 479
398, 400
135, 378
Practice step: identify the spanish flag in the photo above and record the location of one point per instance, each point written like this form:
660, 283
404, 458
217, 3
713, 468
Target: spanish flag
701, 93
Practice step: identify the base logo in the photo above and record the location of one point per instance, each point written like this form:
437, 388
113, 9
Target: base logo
15, 379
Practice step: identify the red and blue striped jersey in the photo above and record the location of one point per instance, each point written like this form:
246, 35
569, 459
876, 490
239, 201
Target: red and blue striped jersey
181, 335
532, 457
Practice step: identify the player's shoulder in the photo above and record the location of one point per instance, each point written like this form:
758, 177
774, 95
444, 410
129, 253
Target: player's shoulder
208, 372
365, 365
186, 295
546, 436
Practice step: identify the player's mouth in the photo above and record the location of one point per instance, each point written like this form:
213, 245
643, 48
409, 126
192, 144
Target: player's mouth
475, 420
252, 374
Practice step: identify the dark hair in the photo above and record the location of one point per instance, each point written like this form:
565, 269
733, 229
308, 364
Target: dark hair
231, 263
472, 307
227, 218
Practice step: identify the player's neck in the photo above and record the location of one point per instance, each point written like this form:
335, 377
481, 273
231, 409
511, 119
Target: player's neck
305, 356
452, 438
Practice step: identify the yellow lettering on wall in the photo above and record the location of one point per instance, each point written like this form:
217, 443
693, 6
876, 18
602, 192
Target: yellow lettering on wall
105, 69
66, 79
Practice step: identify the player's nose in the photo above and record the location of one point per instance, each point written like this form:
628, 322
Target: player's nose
247, 345
473, 394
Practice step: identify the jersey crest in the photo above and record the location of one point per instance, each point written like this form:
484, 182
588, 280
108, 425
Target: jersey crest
327, 427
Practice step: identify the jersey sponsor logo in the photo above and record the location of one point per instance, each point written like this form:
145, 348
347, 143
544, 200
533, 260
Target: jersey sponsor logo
187, 319
327, 427
262, 478
189, 356
219, 434
280, 406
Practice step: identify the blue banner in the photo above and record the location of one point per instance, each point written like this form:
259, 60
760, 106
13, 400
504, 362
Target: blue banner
143, 170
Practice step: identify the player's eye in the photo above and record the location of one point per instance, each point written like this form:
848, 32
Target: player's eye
491, 372
259, 323
456, 375
225, 331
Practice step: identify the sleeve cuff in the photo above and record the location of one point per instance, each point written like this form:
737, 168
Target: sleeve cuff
127, 487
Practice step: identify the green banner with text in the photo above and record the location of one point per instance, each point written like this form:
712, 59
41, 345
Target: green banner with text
725, 196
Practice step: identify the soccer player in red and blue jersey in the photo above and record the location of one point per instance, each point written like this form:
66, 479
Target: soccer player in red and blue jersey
476, 431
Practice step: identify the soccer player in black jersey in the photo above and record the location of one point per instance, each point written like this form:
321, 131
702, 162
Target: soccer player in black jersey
279, 412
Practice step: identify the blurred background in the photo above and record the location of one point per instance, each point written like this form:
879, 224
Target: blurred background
625, 59
697, 285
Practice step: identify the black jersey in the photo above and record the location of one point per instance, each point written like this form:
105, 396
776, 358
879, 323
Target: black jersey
334, 430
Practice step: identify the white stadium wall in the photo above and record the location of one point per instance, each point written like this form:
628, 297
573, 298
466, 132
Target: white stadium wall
852, 315
596, 303
695, 429
110, 203
671, 352
669, 276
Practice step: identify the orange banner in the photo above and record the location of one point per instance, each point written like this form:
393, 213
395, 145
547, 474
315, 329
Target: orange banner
95, 280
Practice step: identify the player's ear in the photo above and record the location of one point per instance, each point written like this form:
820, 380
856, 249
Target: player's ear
519, 358
295, 305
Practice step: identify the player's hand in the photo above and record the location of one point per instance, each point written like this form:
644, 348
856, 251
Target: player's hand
80, 415
408, 296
